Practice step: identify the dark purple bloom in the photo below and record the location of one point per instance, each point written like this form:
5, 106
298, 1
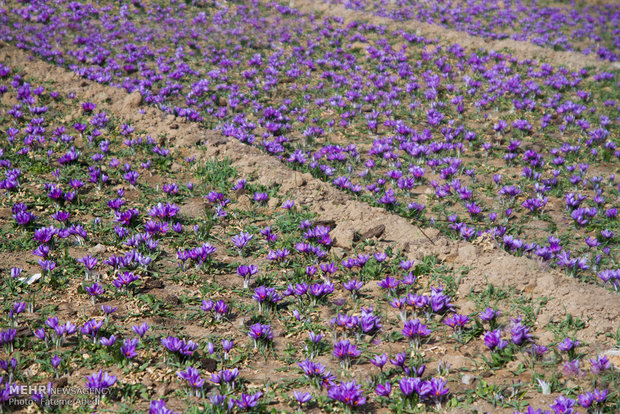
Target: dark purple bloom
348, 393
248, 401
438, 388
415, 331
493, 340
192, 376
379, 360
568, 345
344, 351
383, 390
140, 330
159, 407
563, 405
261, 334
317, 372
128, 349
409, 386
302, 397
600, 363
100, 381
261, 197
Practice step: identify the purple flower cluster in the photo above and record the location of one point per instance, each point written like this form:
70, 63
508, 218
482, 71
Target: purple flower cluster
179, 346
541, 24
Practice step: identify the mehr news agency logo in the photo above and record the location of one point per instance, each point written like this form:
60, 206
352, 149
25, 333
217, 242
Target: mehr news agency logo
21, 395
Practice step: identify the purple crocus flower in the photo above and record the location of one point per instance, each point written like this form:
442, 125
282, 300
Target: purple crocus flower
88, 261
172, 343
383, 390
399, 359
317, 372
344, 351
40, 333
241, 240
415, 331
288, 205
192, 376
261, 197
353, 286
493, 340
55, 361
159, 407
389, 283
409, 386
600, 363
266, 296
437, 389
379, 360
140, 330
260, 334
520, 333
99, 381
227, 345
248, 401
246, 272
490, 315
108, 341
302, 397
107, 309
537, 351
348, 393
563, 405
94, 290
457, 322
569, 346
91, 328
128, 349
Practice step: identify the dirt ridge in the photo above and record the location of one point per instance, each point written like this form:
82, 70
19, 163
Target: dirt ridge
519, 49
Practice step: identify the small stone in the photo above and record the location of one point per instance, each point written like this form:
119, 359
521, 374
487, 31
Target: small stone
208, 364
243, 322
22, 331
154, 284
133, 100
468, 379
66, 308
171, 299
467, 253
163, 389
342, 237
98, 249
376, 231
338, 252
273, 203
60, 382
